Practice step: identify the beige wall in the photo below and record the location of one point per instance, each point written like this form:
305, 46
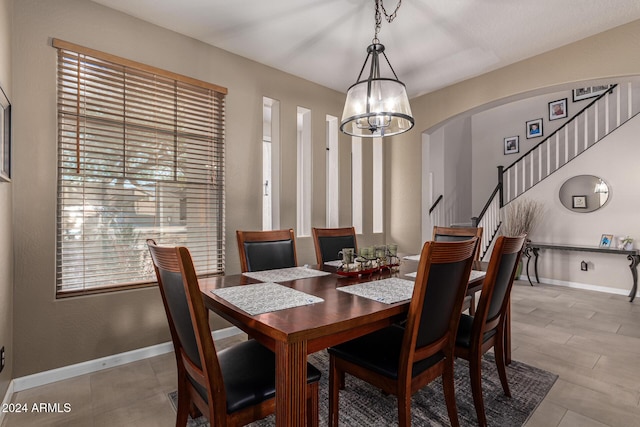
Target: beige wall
6, 238
608, 54
616, 159
50, 333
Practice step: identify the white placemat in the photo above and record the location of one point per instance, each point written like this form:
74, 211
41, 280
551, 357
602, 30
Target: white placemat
265, 297
336, 263
388, 291
475, 274
285, 274
412, 257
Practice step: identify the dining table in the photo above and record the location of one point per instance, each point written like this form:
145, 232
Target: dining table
332, 310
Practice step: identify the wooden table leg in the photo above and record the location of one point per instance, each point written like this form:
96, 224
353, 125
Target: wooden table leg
291, 383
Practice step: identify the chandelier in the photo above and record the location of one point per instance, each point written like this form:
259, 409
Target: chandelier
377, 106
601, 187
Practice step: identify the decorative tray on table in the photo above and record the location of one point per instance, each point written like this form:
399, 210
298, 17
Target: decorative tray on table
364, 266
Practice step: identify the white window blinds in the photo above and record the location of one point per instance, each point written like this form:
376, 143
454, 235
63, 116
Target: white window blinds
140, 155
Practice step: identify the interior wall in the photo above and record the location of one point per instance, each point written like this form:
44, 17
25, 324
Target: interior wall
605, 55
83, 328
457, 168
434, 177
615, 159
447, 172
6, 204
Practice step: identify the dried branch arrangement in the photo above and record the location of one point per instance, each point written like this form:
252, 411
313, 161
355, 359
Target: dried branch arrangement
521, 217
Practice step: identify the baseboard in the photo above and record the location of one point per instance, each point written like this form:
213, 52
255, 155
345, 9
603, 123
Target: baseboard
7, 399
66, 372
577, 285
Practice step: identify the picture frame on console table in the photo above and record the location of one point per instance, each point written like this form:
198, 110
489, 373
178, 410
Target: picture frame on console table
605, 240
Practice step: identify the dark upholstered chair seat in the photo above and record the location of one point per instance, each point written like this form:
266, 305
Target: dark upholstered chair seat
380, 352
249, 374
465, 327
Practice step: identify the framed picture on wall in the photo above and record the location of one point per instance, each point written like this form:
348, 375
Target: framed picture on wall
512, 145
558, 109
5, 137
534, 128
589, 92
579, 202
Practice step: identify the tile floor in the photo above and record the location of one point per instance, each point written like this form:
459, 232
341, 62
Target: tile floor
590, 339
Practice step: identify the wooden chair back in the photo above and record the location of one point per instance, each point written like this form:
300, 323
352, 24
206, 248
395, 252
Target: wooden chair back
329, 241
456, 234
266, 250
188, 318
498, 282
402, 360
438, 294
487, 328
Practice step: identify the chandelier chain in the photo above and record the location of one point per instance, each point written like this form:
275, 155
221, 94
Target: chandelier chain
388, 17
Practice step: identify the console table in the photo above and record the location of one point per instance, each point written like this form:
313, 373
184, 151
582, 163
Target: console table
633, 255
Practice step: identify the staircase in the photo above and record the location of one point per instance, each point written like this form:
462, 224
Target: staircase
594, 122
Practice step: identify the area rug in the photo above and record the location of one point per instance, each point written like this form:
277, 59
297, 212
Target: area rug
363, 405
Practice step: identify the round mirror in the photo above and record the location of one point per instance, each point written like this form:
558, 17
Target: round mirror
584, 193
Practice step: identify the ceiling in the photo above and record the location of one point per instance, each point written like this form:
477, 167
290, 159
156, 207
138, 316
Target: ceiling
431, 44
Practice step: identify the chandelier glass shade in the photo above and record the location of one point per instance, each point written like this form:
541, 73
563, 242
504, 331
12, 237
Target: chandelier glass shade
601, 187
377, 106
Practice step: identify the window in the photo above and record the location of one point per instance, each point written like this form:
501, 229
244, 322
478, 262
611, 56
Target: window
378, 186
304, 172
270, 164
140, 155
332, 171
356, 183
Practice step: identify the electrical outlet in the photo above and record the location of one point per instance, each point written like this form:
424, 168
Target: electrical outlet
584, 266
1, 358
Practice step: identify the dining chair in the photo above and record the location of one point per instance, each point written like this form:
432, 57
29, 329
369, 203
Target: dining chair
456, 234
266, 250
487, 328
402, 360
329, 241
232, 387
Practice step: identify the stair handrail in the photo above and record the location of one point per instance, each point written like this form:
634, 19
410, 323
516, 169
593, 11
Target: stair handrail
490, 223
475, 220
438, 200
